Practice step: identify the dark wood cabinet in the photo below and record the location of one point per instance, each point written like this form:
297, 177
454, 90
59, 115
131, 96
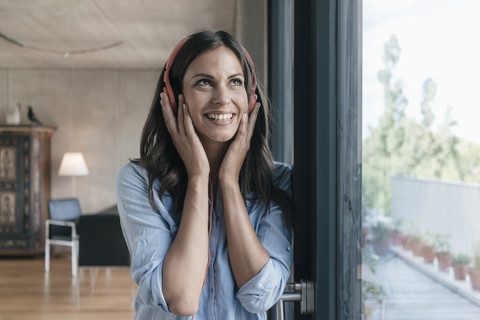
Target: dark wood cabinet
24, 188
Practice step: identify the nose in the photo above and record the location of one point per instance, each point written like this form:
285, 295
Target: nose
221, 96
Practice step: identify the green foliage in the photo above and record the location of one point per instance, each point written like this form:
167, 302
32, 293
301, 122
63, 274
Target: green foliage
371, 290
400, 145
476, 258
461, 259
443, 243
380, 231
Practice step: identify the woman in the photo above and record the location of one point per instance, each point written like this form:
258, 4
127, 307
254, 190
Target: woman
204, 209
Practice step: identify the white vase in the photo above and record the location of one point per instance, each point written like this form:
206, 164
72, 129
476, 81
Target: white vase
13, 115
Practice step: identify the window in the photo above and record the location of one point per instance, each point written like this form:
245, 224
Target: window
421, 160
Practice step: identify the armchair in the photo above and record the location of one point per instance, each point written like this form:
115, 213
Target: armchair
61, 228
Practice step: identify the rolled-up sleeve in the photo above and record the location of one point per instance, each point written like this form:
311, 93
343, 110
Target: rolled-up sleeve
148, 233
262, 291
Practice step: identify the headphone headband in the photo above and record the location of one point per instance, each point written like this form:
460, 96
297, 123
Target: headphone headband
166, 75
167, 89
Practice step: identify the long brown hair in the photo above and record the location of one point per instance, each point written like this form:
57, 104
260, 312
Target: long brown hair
159, 156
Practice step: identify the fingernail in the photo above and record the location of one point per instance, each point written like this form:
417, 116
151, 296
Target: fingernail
184, 106
244, 116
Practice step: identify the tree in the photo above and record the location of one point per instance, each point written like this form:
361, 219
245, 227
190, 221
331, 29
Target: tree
399, 145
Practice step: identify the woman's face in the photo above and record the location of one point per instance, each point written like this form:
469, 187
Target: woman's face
214, 91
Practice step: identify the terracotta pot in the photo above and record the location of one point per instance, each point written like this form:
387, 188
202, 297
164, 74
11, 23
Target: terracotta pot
364, 236
381, 247
417, 248
406, 243
428, 254
396, 238
460, 271
475, 278
444, 261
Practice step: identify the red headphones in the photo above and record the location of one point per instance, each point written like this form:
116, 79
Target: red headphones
167, 89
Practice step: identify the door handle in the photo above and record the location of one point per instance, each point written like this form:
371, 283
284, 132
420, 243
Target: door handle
303, 291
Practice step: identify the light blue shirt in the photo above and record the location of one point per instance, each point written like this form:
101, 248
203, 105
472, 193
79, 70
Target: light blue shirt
149, 234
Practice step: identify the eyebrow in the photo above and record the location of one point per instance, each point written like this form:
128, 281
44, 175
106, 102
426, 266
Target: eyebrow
206, 75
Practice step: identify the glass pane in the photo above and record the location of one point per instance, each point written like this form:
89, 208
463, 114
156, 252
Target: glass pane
421, 160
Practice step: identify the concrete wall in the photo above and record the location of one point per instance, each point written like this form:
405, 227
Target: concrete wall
439, 207
99, 113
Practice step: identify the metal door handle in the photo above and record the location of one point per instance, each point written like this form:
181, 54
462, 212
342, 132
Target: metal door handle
303, 291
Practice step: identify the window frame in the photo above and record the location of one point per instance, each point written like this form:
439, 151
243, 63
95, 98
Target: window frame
326, 149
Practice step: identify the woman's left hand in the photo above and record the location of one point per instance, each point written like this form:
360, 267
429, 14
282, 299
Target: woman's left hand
237, 151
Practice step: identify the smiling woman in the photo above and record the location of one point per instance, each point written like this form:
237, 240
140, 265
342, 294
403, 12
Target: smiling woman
205, 155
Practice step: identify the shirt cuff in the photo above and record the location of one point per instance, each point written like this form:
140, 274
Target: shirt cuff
262, 291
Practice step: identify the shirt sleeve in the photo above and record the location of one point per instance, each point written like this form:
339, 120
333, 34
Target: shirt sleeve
262, 291
148, 233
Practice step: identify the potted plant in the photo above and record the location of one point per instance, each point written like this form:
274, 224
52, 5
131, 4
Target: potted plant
429, 247
460, 264
444, 257
416, 244
396, 234
372, 291
475, 271
380, 235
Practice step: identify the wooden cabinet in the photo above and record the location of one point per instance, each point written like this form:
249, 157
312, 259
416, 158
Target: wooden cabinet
24, 188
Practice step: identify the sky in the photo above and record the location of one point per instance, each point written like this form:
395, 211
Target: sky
439, 39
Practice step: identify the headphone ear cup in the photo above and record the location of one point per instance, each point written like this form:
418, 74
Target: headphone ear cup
252, 101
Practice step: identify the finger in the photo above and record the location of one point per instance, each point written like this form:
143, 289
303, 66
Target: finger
188, 124
242, 129
168, 115
181, 115
252, 119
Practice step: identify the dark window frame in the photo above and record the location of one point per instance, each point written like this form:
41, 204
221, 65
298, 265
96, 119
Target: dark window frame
327, 146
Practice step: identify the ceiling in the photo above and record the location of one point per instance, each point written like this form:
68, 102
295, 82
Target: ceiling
84, 34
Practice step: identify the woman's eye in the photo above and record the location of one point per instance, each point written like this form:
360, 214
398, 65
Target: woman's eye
237, 82
204, 82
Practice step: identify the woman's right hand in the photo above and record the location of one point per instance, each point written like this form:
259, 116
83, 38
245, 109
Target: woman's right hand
185, 138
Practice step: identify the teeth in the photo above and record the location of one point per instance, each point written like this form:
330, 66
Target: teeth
220, 117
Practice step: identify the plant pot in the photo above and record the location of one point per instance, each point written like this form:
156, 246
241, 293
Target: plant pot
381, 247
460, 271
396, 238
406, 243
364, 236
475, 278
444, 261
417, 248
428, 253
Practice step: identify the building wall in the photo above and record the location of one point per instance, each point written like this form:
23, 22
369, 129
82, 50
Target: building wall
439, 207
99, 113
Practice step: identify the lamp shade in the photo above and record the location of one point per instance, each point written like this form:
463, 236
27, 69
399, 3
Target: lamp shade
73, 164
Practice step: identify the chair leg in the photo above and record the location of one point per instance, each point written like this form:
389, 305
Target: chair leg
74, 258
47, 256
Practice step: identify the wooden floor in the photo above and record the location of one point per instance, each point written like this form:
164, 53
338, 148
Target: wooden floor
27, 292
411, 295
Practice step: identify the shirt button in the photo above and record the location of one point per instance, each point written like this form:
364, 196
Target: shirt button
212, 254
288, 249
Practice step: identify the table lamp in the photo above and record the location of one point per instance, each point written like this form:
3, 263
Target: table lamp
73, 164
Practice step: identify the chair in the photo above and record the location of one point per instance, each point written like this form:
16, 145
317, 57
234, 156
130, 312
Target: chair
61, 228
102, 244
